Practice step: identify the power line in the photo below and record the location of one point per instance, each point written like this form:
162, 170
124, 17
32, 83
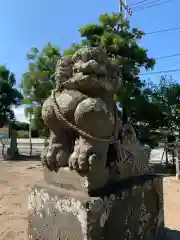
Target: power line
154, 5
163, 71
163, 30
136, 3
146, 2
143, 3
121, 5
168, 56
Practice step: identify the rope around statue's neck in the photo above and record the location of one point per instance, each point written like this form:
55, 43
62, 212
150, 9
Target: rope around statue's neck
111, 140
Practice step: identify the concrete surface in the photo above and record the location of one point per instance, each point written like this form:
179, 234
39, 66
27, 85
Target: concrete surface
121, 211
37, 144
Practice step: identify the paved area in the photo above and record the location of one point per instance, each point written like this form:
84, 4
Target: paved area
24, 146
16, 177
38, 143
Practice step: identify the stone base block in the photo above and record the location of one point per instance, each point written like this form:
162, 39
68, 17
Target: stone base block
68, 179
128, 210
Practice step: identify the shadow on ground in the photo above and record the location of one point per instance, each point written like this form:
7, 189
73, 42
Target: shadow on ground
30, 158
23, 158
172, 234
166, 170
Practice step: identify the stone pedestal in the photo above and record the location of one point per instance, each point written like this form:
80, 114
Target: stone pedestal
131, 209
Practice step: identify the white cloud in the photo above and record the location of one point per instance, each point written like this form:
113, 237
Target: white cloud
19, 114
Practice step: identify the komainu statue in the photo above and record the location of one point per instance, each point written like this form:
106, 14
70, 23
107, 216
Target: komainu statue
81, 113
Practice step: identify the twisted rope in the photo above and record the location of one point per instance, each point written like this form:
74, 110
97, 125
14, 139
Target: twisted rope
111, 140
121, 153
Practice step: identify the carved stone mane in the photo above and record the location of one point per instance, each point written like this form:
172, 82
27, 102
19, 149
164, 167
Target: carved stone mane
81, 116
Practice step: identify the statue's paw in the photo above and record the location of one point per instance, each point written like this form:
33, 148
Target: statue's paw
83, 159
79, 161
83, 162
73, 160
87, 162
43, 157
90, 162
50, 162
54, 158
61, 159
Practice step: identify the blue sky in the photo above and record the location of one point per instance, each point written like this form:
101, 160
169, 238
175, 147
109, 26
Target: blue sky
25, 24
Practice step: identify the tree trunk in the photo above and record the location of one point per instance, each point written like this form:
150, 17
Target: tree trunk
124, 116
12, 152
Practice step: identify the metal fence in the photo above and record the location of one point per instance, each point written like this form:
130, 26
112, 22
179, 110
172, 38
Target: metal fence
174, 148
25, 147
36, 146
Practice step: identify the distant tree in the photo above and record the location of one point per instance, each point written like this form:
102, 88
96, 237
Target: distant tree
121, 42
21, 126
38, 81
166, 95
9, 97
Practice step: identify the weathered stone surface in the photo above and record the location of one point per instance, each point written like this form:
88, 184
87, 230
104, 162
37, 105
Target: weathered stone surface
86, 83
71, 180
124, 211
81, 115
94, 167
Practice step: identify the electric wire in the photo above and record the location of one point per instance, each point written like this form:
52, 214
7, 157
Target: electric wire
139, 2
163, 30
143, 3
145, 7
162, 71
168, 56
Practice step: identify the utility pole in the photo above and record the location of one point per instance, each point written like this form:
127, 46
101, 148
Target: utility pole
120, 6
124, 9
30, 130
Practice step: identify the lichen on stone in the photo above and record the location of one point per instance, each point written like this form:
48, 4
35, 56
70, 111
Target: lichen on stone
84, 96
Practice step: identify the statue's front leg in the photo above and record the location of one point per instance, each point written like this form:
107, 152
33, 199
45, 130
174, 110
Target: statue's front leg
62, 136
93, 117
56, 153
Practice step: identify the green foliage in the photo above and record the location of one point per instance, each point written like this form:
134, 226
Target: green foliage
163, 113
148, 107
38, 81
115, 35
74, 47
9, 95
21, 126
120, 41
167, 96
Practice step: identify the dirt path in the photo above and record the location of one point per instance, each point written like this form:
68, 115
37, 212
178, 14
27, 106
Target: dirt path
17, 176
14, 181
172, 207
